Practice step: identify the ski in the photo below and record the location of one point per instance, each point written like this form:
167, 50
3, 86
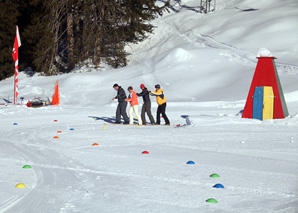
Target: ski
147, 125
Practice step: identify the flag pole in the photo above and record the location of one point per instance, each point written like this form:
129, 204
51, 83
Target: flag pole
15, 56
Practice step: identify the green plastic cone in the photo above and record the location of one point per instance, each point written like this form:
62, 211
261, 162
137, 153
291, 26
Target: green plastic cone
211, 200
214, 175
27, 167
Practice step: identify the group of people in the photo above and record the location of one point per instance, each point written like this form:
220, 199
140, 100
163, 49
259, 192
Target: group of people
134, 105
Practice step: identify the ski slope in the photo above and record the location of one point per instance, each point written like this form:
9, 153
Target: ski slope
205, 64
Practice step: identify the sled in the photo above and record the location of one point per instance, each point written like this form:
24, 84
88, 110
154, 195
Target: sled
38, 102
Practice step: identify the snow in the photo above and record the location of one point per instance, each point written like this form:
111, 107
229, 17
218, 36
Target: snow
205, 64
263, 52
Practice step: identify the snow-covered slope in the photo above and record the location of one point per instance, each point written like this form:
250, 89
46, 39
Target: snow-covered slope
194, 56
205, 64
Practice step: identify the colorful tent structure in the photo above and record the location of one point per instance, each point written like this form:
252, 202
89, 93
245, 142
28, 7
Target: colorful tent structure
265, 98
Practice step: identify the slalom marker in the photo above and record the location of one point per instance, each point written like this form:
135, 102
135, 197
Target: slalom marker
20, 185
211, 200
214, 175
218, 186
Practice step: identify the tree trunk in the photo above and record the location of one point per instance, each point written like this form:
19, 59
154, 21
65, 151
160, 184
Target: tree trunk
97, 56
70, 40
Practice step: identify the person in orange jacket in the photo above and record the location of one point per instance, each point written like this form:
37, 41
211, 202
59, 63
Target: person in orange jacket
162, 104
134, 105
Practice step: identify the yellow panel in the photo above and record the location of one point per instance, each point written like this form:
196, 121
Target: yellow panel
268, 103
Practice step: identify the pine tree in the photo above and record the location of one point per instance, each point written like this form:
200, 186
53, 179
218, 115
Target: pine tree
138, 14
59, 34
42, 35
130, 23
126, 21
8, 16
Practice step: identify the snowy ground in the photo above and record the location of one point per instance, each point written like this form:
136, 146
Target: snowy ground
257, 162
205, 64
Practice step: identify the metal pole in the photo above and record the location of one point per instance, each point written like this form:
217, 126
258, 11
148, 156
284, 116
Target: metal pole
201, 6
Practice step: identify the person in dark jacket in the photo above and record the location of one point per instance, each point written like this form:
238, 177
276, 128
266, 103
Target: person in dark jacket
122, 104
146, 108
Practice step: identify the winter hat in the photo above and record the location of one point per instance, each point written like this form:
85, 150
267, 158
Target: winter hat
157, 86
142, 86
115, 85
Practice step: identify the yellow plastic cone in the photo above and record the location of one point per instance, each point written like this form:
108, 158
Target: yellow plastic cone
20, 185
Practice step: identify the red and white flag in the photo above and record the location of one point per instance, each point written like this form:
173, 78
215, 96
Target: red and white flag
15, 56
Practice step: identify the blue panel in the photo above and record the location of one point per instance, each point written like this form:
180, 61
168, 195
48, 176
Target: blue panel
257, 109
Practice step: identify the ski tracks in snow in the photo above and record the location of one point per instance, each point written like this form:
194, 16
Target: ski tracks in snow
233, 53
49, 182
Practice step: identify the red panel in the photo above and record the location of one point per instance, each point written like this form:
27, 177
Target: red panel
264, 76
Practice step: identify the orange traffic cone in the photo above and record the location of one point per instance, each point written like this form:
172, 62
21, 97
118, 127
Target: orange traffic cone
55, 97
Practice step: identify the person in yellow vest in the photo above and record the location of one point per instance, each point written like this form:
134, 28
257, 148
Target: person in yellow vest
162, 104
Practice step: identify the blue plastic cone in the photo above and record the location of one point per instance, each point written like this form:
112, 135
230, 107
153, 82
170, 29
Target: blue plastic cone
218, 186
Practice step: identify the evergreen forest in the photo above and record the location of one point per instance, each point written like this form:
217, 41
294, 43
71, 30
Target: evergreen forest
58, 35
